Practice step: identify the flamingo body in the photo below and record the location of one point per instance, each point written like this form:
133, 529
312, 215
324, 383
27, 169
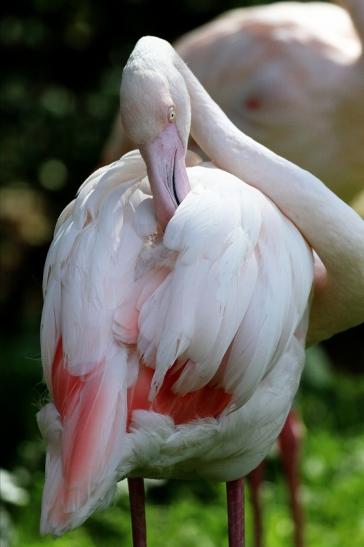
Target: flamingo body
176, 301
167, 355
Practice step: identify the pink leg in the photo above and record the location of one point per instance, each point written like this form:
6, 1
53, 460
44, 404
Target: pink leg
235, 504
137, 512
289, 444
255, 478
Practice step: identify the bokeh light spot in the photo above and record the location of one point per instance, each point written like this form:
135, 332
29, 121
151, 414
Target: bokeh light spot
53, 174
11, 30
58, 101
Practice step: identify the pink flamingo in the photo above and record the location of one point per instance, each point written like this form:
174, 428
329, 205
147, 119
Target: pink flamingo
176, 302
290, 75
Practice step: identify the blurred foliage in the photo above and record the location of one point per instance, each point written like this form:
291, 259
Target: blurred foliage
58, 95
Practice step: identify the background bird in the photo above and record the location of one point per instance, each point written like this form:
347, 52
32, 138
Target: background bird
290, 75
90, 326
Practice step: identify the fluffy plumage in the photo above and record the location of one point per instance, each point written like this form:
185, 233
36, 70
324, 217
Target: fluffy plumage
167, 355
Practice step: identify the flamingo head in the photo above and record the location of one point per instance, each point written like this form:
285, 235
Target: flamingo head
156, 114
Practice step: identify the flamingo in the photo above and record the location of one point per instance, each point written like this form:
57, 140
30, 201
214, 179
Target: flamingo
177, 300
290, 75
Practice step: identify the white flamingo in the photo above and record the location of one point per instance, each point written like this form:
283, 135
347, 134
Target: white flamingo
176, 304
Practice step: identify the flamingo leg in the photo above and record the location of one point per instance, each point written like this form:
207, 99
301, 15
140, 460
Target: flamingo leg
235, 506
289, 444
137, 512
255, 478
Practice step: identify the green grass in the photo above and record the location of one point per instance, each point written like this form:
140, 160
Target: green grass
193, 514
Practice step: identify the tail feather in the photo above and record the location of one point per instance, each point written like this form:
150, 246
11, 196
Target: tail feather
85, 429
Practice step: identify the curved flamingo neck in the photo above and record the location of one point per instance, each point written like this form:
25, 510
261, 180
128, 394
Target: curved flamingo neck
332, 228
300, 195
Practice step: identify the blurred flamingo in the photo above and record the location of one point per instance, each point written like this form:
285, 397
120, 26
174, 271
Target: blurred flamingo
290, 75
176, 301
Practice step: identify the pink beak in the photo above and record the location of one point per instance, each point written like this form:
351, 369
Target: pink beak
165, 160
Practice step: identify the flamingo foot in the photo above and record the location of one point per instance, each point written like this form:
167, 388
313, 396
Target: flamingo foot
235, 505
137, 512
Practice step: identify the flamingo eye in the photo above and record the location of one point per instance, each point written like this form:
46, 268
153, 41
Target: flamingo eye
171, 114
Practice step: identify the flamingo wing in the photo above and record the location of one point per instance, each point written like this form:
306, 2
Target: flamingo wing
85, 368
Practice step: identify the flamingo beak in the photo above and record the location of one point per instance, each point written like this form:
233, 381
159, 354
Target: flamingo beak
165, 160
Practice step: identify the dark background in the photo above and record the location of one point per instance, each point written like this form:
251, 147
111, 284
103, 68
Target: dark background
59, 85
